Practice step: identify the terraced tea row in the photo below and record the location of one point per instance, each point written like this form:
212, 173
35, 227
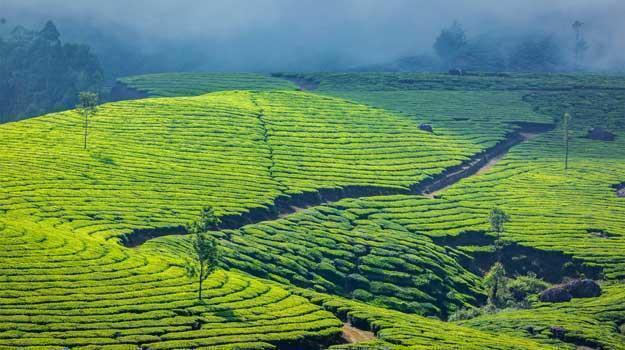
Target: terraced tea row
591, 322
474, 119
436, 81
62, 290
154, 163
343, 252
150, 163
574, 211
191, 84
395, 329
329, 143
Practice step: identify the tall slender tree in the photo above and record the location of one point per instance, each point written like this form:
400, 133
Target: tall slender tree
580, 43
87, 107
498, 219
494, 281
205, 254
566, 125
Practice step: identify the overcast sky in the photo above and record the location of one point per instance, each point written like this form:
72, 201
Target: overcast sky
282, 34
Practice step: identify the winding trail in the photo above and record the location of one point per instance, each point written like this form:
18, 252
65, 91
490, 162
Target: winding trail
353, 335
431, 187
490, 159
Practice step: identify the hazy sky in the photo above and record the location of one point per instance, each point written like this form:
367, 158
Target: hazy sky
306, 34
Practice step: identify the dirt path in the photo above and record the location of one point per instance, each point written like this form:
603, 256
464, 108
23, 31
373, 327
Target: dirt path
483, 165
352, 334
293, 210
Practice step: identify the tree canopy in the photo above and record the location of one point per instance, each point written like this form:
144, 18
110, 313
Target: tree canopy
40, 74
450, 41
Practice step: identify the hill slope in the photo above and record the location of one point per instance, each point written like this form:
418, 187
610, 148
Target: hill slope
254, 156
155, 162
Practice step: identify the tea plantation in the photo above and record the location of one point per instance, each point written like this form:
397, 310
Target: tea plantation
189, 84
323, 219
66, 290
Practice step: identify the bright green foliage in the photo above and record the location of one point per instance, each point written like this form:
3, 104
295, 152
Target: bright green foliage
340, 249
498, 219
190, 84
62, 289
156, 162
400, 330
552, 210
207, 220
87, 107
566, 121
474, 119
494, 282
151, 163
594, 320
523, 287
205, 255
323, 142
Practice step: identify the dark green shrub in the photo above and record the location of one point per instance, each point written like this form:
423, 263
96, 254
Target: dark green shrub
362, 294
523, 286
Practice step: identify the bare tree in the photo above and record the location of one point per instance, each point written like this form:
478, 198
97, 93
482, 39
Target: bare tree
87, 107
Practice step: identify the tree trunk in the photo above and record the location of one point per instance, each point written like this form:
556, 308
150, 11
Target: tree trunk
201, 274
567, 120
199, 294
86, 126
493, 297
566, 153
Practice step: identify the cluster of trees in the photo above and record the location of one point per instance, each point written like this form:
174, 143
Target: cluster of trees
500, 52
528, 53
503, 291
40, 74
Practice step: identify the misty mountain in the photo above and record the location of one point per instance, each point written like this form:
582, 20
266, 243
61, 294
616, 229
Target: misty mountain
144, 36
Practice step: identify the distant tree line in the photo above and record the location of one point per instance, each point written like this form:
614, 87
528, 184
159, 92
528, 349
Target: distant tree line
527, 53
454, 49
40, 74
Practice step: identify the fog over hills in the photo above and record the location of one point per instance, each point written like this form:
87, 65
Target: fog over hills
271, 35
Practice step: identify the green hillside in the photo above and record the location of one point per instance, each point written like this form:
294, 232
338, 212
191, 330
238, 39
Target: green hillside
328, 183
61, 289
155, 162
190, 84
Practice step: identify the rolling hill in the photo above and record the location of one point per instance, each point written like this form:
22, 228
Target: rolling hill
327, 212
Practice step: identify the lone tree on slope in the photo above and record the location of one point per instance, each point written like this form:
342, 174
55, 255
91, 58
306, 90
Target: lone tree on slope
205, 250
567, 137
87, 107
495, 281
498, 219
